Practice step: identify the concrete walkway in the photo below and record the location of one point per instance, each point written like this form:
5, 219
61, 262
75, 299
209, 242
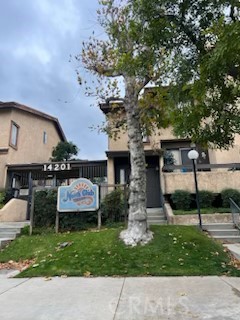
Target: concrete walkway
152, 298
234, 248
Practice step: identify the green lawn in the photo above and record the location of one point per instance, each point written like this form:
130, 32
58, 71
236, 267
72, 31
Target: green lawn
175, 250
203, 211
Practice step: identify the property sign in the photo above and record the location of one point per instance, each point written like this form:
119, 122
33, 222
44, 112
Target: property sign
81, 195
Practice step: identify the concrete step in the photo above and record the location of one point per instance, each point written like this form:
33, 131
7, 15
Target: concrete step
156, 215
157, 222
9, 235
218, 226
156, 219
228, 239
154, 210
14, 224
9, 229
224, 232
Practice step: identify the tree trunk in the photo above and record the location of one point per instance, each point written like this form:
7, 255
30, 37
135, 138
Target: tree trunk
137, 231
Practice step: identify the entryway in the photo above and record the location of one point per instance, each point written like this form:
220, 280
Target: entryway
154, 199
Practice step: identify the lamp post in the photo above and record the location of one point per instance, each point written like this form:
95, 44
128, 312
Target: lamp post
193, 155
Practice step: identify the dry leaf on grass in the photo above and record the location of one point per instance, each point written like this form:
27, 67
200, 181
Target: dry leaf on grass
16, 265
87, 274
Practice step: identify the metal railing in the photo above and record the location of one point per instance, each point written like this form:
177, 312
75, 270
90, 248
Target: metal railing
235, 213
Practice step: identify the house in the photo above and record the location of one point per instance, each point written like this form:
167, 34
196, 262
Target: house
216, 169
26, 136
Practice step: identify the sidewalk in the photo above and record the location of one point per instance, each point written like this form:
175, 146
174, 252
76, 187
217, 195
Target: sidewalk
151, 298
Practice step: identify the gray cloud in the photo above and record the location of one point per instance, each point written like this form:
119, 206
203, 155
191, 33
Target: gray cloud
36, 40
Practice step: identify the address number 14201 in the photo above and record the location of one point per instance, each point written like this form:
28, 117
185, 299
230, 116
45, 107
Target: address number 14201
56, 167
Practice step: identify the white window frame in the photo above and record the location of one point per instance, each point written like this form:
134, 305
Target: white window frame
14, 131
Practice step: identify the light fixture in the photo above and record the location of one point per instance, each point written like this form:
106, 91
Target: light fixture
193, 155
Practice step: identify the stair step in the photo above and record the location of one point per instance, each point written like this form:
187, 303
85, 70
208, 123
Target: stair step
224, 232
14, 224
9, 229
158, 222
218, 226
154, 214
9, 235
232, 239
154, 210
156, 218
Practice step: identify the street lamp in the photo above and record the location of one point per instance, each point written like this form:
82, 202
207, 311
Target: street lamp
193, 155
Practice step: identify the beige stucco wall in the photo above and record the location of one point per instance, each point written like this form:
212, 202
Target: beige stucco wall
30, 146
121, 143
215, 156
226, 156
14, 210
214, 181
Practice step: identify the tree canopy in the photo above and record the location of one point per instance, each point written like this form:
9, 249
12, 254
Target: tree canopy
64, 151
201, 41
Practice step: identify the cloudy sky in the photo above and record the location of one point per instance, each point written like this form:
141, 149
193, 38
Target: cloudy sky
37, 38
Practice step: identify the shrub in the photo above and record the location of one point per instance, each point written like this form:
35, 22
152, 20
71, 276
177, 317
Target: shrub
45, 213
181, 199
77, 221
2, 197
206, 198
45, 207
230, 193
112, 206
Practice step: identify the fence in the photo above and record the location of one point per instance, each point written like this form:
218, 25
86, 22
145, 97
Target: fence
235, 213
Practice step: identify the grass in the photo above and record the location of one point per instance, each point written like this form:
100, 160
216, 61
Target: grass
175, 251
203, 211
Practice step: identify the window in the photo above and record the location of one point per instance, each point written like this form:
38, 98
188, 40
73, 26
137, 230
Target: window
44, 137
122, 176
14, 135
145, 138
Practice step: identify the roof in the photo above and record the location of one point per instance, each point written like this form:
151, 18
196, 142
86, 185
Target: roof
18, 106
39, 166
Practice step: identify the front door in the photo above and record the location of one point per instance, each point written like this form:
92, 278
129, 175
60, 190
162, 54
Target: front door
153, 188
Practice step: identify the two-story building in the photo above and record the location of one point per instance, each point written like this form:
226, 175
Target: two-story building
26, 136
217, 169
